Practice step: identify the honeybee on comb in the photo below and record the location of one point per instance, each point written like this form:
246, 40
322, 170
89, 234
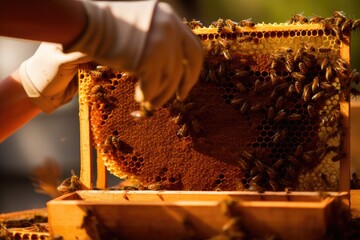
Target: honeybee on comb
263, 88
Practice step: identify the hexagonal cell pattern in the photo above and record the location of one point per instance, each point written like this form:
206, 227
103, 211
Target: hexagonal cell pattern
264, 115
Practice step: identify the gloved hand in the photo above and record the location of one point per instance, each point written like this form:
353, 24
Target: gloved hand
49, 76
147, 38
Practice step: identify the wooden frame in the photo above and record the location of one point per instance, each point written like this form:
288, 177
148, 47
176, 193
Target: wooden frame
180, 215
88, 171
170, 214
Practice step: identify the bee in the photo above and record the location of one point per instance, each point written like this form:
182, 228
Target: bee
294, 117
299, 150
96, 74
347, 25
97, 89
298, 87
71, 184
340, 66
243, 163
275, 79
224, 43
279, 103
293, 160
316, 19
219, 25
155, 186
278, 163
321, 152
298, 18
245, 39
244, 108
237, 102
280, 116
327, 87
342, 62
298, 76
324, 63
254, 171
334, 28
226, 54
306, 93
231, 24
309, 156
311, 111
331, 135
318, 96
98, 93
339, 21
211, 76
274, 64
108, 144
257, 178
241, 87
289, 60
257, 107
355, 25
240, 73
315, 84
271, 113
339, 14
290, 172
115, 142
259, 165
273, 94
246, 23
257, 86
183, 131
193, 24
274, 186
212, 47
299, 53
279, 136
248, 156
335, 117
222, 70
282, 86
291, 90
339, 155
303, 68
309, 59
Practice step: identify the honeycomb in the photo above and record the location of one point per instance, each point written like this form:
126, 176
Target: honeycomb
264, 115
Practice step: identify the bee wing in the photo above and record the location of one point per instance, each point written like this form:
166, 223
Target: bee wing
46, 177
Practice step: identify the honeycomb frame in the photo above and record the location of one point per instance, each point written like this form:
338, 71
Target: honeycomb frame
222, 50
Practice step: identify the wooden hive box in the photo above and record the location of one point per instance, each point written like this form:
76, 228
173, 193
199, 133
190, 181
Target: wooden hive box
191, 215
270, 113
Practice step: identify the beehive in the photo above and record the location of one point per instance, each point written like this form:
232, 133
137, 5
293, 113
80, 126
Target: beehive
269, 112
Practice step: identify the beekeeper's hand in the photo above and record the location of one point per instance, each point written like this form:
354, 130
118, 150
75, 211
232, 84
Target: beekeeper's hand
49, 76
147, 38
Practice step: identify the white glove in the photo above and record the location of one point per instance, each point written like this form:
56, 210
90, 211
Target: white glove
49, 76
147, 38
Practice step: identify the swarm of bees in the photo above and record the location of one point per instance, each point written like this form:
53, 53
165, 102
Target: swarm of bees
265, 114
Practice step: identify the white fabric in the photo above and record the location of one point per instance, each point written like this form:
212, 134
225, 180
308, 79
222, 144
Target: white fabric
147, 38
47, 76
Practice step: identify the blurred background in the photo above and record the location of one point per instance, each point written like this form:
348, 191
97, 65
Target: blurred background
56, 136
